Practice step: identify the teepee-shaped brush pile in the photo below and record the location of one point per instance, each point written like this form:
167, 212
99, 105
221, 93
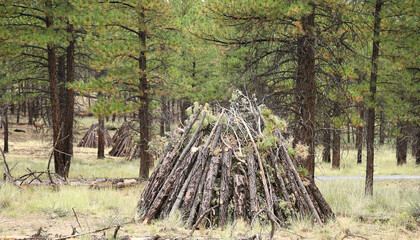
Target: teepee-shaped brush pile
90, 139
237, 167
123, 143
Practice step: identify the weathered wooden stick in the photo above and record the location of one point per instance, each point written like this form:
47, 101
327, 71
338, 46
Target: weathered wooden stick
252, 184
239, 197
225, 185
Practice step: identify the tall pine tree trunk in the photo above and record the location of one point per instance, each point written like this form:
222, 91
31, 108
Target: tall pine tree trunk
370, 139
326, 141
55, 112
417, 140
401, 145
67, 112
163, 116
336, 149
101, 138
144, 101
5, 130
305, 90
381, 128
359, 136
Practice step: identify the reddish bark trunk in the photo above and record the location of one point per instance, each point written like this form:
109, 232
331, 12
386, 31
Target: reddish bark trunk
336, 149
144, 119
101, 138
305, 86
326, 141
359, 137
370, 139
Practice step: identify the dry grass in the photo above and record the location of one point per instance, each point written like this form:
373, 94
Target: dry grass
385, 163
386, 215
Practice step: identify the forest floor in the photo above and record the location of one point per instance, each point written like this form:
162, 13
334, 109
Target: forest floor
393, 212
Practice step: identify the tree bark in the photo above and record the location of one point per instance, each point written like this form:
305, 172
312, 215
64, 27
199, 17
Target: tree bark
381, 128
359, 137
163, 115
336, 149
144, 118
370, 139
101, 138
55, 111
401, 145
225, 186
326, 141
252, 184
5, 130
239, 197
305, 87
418, 145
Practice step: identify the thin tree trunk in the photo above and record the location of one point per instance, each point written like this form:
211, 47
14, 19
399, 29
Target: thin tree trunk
326, 141
30, 112
5, 130
418, 145
381, 128
144, 100
401, 145
305, 87
336, 149
101, 139
359, 137
370, 140
163, 115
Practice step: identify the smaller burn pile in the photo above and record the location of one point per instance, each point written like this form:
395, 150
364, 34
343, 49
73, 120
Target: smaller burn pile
90, 139
124, 144
237, 167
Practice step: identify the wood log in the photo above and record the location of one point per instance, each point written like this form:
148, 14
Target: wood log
317, 195
225, 186
252, 184
239, 197
209, 183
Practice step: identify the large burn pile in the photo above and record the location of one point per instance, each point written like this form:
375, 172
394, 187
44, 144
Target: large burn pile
90, 139
237, 167
123, 143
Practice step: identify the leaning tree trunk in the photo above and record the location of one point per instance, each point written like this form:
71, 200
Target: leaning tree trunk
370, 139
305, 87
145, 158
336, 149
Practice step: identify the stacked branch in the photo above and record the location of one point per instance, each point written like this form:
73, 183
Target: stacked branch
123, 144
237, 167
90, 139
